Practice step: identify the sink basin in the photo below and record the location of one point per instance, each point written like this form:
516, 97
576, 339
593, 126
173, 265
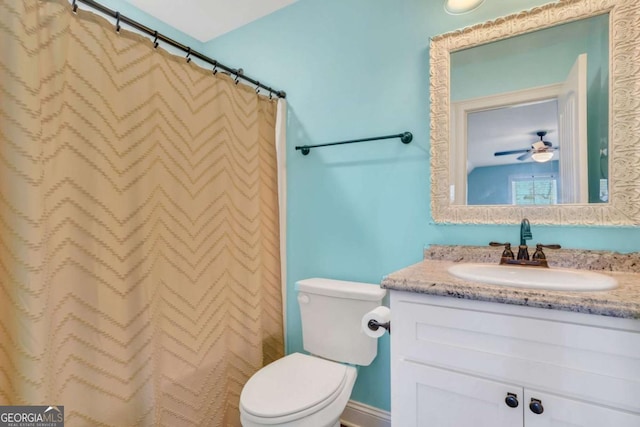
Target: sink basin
559, 279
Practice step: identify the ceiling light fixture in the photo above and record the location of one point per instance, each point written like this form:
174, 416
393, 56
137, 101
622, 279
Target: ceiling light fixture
542, 156
458, 7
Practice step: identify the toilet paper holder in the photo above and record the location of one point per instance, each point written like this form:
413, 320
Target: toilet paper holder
374, 325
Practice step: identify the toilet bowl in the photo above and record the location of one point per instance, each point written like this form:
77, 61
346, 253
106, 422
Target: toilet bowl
297, 390
302, 390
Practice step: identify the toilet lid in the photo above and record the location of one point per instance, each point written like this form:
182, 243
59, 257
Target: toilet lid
292, 384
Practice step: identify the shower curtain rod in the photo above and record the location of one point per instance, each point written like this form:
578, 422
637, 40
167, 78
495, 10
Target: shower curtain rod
190, 52
405, 137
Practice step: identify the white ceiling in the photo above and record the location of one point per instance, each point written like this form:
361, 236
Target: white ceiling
207, 19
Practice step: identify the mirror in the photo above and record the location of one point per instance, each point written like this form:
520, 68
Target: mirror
509, 95
601, 187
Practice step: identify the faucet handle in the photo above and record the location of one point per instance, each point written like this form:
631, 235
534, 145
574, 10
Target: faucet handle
552, 246
539, 255
507, 253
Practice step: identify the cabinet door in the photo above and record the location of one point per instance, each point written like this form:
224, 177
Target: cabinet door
562, 412
423, 395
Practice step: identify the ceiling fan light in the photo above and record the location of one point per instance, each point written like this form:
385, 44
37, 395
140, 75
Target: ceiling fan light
457, 7
542, 156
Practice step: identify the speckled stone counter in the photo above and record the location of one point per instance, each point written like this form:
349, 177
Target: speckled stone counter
430, 276
565, 258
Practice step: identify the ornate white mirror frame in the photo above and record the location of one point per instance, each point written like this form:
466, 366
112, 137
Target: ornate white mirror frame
623, 208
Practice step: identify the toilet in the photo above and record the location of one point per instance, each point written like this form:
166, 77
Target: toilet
313, 390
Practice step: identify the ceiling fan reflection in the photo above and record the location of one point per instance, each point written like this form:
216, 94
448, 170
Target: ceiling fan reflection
540, 151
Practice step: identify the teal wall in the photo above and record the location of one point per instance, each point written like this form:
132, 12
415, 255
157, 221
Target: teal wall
359, 68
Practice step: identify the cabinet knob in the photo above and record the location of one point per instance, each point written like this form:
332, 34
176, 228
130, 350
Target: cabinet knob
536, 406
511, 400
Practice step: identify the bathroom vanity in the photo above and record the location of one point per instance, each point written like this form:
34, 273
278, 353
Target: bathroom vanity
470, 354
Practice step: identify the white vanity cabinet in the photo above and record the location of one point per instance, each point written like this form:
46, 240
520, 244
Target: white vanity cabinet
459, 363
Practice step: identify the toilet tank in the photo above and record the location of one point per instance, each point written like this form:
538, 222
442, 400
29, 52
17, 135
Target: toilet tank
331, 312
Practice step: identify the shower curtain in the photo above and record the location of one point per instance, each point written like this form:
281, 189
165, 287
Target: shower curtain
139, 241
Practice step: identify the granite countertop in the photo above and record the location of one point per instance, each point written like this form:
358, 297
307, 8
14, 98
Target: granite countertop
430, 276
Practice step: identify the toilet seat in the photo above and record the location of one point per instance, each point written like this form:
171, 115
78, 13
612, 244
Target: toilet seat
293, 387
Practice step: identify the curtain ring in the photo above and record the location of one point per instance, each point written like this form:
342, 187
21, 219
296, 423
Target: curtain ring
155, 39
74, 7
258, 87
237, 79
270, 94
215, 67
188, 57
117, 22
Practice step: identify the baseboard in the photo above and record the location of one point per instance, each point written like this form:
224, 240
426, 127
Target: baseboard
358, 414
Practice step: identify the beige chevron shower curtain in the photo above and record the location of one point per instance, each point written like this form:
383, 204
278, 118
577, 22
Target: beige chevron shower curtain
139, 244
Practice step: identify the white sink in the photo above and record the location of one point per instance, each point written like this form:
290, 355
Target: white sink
560, 279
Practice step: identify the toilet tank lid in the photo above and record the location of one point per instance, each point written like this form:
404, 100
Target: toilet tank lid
342, 289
